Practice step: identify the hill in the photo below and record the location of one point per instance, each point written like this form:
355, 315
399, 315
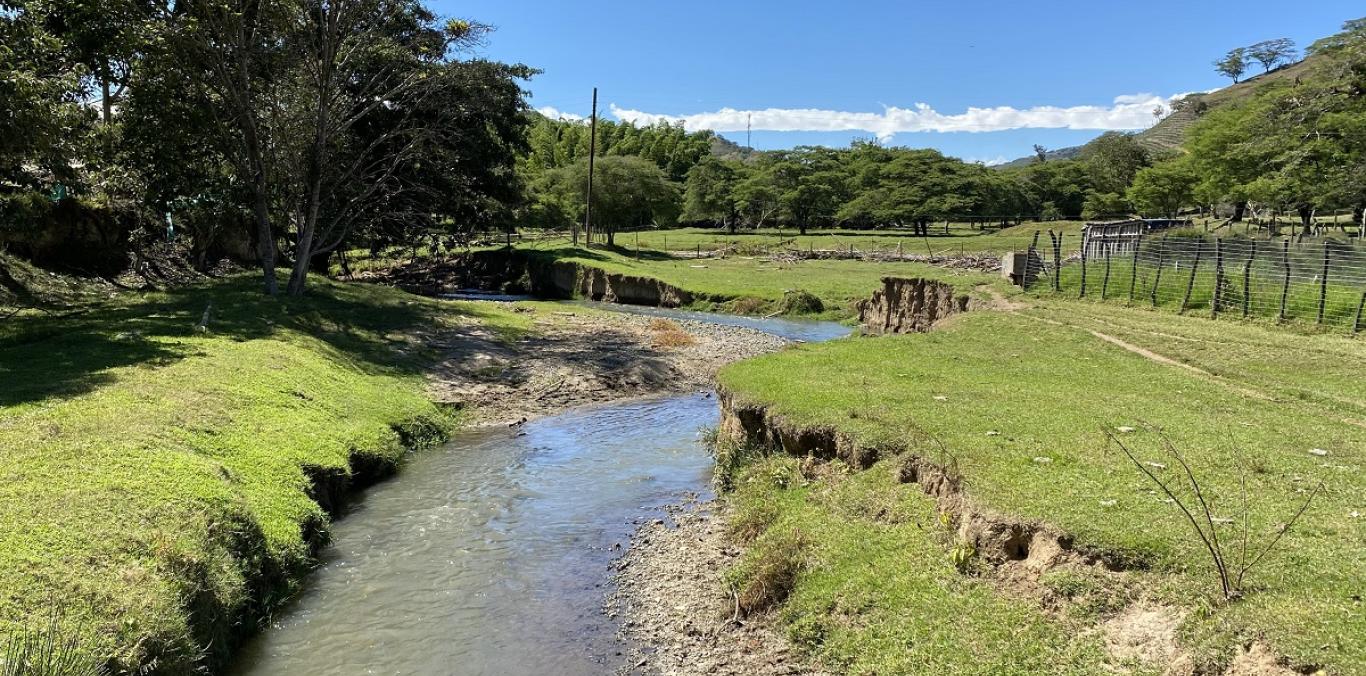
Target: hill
1170, 132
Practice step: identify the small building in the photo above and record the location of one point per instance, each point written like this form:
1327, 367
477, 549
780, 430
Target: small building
1119, 238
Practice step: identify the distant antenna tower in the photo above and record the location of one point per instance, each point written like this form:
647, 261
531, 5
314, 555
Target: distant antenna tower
749, 142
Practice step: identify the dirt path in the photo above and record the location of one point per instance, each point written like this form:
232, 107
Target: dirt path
581, 357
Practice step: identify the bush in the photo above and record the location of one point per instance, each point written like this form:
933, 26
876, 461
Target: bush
798, 302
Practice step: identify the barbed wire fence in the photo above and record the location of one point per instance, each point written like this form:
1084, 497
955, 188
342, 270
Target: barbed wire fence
1317, 281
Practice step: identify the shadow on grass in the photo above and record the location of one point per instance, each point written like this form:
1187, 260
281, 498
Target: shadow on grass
43, 357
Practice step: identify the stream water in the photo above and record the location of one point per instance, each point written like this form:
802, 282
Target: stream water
491, 554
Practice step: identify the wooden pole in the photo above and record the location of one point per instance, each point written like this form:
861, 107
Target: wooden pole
1105, 284
1057, 262
1361, 305
1084, 247
1195, 266
1247, 279
1218, 295
1029, 260
1323, 280
1133, 266
1161, 262
592, 150
1285, 288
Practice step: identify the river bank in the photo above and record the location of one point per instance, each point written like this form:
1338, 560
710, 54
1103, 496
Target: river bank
571, 356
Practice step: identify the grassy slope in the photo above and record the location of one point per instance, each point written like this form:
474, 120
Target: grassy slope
838, 283
1049, 389
151, 477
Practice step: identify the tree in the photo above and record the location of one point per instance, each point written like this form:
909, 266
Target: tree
1103, 205
710, 195
1113, 159
1269, 53
1040, 154
1163, 189
1233, 65
628, 191
41, 116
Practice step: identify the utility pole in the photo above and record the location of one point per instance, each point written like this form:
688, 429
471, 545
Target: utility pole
592, 150
749, 141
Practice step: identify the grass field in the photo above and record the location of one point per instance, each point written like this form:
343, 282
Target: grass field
155, 480
959, 238
880, 596
1003, 390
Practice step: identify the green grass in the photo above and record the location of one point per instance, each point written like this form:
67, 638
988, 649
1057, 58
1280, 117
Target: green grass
155, 480
1046, 391
878, 593
838, 283
960, 238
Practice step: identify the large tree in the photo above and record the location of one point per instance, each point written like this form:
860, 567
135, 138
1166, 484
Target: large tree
1233, 65
1270, 53
709, 193
628, 192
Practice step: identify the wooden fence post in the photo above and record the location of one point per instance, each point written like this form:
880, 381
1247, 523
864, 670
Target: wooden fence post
1029, 260
1218, 295
1057, 262
1083, 268
1133, 267
1285, 288
1323, 281
1105, 284
1161, 262
1195, 266
1356, 325
1247, 279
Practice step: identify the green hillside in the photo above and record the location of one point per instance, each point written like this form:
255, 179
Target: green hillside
1169, 133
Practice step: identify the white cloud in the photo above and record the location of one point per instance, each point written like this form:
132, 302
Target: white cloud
557, 114
1131, 111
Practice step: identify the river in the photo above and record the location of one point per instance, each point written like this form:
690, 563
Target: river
492, 553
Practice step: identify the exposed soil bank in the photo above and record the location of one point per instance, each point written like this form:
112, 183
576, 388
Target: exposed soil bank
671, 596
1014, 553
513, 271
911, 305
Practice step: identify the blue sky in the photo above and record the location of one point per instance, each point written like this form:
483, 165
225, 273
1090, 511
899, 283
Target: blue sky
852, 61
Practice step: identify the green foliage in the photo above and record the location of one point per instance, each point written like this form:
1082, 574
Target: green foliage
1162, 190
709, 193
1234, 64
628, 192
1113, 159
1099, 205
1294, 146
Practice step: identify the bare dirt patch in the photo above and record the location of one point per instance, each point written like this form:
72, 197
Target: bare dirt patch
1143, 634
672, 598
581, 357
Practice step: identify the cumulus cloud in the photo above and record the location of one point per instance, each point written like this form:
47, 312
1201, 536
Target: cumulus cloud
1131, 111
557, 114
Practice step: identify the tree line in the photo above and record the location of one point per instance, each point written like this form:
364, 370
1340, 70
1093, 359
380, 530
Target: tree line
298, 125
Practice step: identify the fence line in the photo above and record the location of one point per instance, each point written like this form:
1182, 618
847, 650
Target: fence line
1323, 282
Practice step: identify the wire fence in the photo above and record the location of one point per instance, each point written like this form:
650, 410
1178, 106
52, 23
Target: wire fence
1323, 282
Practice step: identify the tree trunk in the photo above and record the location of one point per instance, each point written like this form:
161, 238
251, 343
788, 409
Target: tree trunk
1306, 219
1239, 208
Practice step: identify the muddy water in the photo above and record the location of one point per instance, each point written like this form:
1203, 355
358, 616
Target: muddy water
491, 554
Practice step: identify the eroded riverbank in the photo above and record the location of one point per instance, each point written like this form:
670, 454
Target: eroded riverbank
493, 553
